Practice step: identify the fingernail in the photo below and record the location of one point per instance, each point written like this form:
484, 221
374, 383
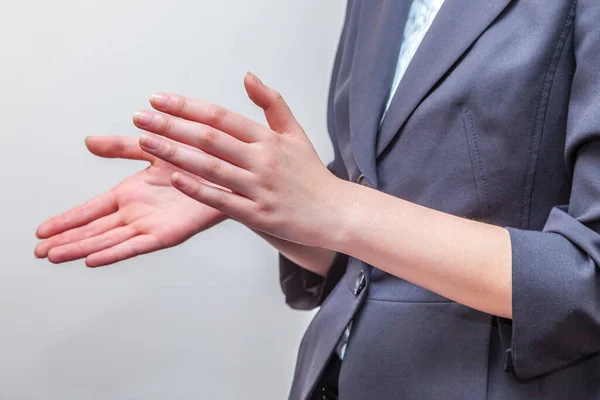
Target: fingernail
176, 178
159, 99
149, 142
255, 78
142, 118
39, 232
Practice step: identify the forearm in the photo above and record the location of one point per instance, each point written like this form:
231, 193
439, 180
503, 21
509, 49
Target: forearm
463, 260
314, 259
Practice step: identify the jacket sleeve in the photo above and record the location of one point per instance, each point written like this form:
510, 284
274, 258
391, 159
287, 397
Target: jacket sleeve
556, 276
303, 289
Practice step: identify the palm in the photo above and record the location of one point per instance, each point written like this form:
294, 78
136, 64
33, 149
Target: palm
147, 202
144, 213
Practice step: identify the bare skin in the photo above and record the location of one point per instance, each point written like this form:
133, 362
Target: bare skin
271, 180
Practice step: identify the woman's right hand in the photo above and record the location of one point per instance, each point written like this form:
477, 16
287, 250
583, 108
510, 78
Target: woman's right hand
142, 214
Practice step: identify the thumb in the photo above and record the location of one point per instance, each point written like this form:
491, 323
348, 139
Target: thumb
278, 114
117, 147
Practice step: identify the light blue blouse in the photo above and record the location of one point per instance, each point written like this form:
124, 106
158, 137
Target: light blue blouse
420, 17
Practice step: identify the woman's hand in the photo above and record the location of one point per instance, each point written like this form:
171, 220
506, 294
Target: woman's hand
144, 213
277, 183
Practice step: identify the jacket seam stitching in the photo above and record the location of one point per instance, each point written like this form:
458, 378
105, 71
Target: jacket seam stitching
470, 131
550, 77
533, 153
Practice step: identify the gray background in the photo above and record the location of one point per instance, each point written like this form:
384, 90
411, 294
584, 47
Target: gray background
204, 320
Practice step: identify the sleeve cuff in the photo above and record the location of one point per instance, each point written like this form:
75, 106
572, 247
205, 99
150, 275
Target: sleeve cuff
555, 287
305, 290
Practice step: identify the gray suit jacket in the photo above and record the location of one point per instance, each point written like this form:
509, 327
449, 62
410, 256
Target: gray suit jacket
496, 119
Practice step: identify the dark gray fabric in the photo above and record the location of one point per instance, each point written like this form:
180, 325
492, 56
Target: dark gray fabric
305, 290
496, 119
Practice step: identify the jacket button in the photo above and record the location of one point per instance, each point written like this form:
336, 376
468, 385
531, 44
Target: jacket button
361, 180
359, 284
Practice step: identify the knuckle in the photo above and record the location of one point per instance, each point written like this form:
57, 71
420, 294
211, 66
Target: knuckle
265, 184
171, 151
269, 186
207, 138
120, 147
83, 246
198, 192
85, 211
221, 201
180, 105
269, 218
185, 105
271, 164
277, 96
186, 186
87, 233
265, 208
216, 113
167, 125
213, 168
62, 239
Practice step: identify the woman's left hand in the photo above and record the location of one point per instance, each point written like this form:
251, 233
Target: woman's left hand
273, 178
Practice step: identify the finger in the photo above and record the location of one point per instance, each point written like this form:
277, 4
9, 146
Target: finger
117, 147
98, 207
133, 247
278, 114
203, 137
203, 165
231, 204
90, 230
83, 248
218, 117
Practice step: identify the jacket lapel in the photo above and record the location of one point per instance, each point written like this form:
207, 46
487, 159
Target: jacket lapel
458, 24
381, 25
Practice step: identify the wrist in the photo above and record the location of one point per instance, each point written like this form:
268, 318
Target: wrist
346, 217
204, 221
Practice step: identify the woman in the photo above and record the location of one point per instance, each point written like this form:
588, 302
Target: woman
453, 244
